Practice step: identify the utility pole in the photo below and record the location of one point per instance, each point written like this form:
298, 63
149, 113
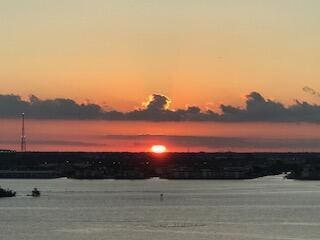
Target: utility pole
23, 136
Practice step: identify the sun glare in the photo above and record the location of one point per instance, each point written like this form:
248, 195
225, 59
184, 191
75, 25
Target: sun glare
158, 149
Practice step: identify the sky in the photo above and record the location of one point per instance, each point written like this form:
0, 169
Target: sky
140, 136
116, 53
245, 72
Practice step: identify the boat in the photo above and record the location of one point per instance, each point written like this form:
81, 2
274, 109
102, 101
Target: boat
35, 193
6, 193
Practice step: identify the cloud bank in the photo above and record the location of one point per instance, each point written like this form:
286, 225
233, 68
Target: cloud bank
257, 108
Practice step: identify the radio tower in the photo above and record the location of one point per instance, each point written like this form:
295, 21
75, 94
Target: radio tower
23, 136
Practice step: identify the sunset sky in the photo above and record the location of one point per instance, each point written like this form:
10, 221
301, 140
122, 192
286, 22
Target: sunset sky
116, 53
161, 60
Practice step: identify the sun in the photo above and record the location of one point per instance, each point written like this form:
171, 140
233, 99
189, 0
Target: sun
158, 149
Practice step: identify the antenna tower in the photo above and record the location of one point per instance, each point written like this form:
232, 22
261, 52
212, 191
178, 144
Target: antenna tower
23, 136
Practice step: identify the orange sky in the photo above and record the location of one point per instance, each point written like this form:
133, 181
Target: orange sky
71, 135
118, 52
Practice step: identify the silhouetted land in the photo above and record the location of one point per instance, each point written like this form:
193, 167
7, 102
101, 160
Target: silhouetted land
124, 165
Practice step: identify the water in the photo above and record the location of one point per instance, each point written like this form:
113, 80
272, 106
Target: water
265, 208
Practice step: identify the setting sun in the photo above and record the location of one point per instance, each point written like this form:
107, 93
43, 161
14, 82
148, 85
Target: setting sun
158, 149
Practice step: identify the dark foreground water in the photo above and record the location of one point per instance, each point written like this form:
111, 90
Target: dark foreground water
265, 208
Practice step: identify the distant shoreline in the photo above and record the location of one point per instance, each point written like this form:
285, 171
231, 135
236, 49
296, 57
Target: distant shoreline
144, 165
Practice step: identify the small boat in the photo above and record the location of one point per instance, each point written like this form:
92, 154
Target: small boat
35, 193
7, 193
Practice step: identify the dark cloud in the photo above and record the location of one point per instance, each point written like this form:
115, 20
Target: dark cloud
257, 108
12, 106
156, 109
59, 108
157, 102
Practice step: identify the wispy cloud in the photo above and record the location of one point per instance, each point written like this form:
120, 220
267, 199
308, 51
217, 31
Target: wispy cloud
311, 91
